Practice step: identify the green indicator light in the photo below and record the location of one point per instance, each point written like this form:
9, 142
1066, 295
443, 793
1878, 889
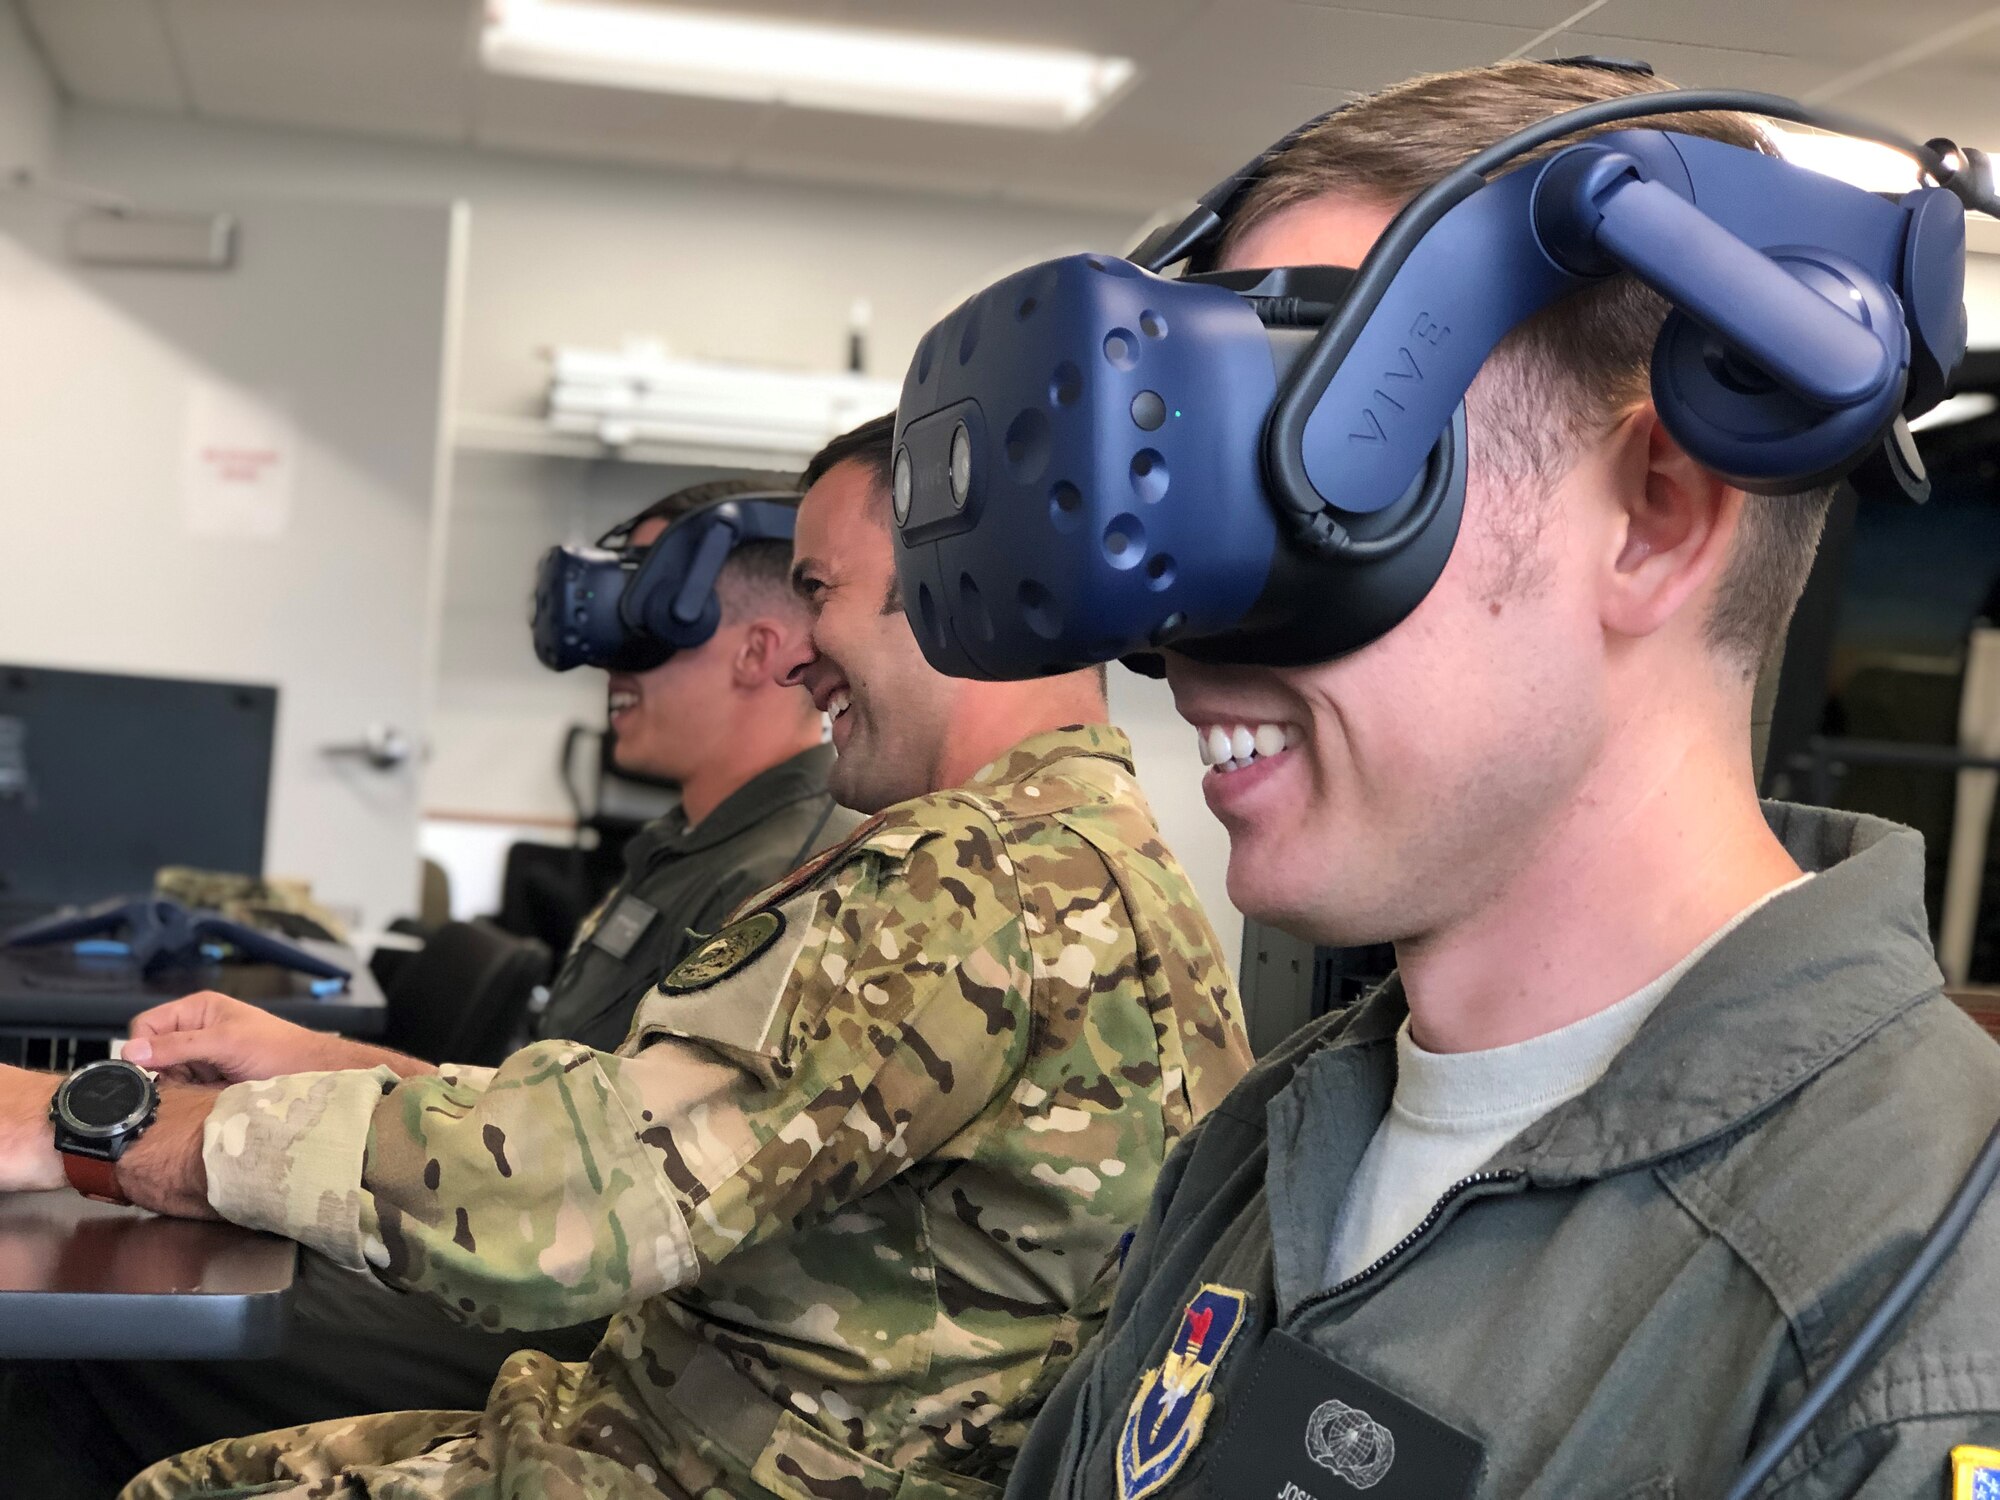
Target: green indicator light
1177, 411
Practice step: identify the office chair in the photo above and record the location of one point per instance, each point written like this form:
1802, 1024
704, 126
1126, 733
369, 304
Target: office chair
462, 998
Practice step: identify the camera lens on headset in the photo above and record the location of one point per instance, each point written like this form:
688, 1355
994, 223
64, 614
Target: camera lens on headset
961, 465
901, 486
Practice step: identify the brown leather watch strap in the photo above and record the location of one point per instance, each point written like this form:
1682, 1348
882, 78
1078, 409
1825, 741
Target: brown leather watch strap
93, 1177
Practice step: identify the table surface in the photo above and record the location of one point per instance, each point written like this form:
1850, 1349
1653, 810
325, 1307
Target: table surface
58, 990
94, 1281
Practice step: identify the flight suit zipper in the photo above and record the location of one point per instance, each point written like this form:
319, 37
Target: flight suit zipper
1477, 1185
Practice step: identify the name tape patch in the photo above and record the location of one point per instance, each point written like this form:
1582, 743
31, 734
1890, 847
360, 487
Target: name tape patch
628, 922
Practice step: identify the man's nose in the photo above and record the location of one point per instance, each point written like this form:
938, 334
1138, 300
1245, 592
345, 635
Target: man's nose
793, 659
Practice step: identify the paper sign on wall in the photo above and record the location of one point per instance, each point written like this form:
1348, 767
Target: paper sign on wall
238, 463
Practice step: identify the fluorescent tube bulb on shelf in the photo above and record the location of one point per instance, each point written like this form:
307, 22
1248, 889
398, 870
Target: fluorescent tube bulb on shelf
773, 59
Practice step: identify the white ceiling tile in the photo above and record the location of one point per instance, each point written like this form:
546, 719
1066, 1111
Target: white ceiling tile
1859, 33
530, 114
1981, 49
1693, 65
1748, 25
110, 52
384, 67
919, 157
1151, 148
1218, 78
1131, 28
1323, 47
1961, 103
1533, 14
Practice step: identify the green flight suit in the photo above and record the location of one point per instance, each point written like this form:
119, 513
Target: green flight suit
1631, 1296
681, 883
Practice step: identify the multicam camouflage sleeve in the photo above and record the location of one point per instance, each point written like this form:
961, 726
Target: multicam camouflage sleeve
802, 1058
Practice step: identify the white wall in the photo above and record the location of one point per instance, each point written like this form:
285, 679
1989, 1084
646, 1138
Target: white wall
27, 99
125, 556
499, 717
571, 252
564, 252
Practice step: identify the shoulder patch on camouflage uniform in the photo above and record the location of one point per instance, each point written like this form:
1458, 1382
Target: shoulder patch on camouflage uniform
736, 946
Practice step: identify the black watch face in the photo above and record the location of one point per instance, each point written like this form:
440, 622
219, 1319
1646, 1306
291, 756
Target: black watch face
103, 1096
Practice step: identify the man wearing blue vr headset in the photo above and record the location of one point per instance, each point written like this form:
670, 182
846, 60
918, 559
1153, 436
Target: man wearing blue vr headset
697, 705
1665, 1093
746, 752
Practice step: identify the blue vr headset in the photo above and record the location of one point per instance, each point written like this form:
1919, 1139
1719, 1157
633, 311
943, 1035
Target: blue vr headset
626, 608
1092, 461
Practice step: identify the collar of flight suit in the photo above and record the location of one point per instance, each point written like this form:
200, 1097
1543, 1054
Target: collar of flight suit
794, 780
1797, 986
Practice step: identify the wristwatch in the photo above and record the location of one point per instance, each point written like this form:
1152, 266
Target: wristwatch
98, 1111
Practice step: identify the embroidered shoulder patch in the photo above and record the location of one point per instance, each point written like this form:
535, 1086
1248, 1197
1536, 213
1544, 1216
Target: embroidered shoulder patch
1170, 1411
731, 949
1975, 1473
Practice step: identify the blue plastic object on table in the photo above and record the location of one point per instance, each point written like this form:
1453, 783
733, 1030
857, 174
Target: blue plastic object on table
163, 935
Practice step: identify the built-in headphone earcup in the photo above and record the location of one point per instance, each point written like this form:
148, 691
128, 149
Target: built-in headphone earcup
663, 609
1933, 295
1734, 419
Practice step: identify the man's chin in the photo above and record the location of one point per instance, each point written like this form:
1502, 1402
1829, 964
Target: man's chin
628, 756
867, 779
1278, 894
846, 784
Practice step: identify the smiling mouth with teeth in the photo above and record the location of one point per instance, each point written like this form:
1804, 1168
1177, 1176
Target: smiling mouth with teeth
838, 702
623, 700
1232, 747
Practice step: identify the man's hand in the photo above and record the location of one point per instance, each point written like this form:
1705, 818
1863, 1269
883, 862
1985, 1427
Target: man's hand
210, 1038
28, 1158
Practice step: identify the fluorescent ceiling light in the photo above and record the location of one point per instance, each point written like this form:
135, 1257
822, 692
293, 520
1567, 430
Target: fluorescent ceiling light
774, 60
1869, 165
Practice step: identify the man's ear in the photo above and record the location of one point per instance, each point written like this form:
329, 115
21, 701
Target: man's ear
1674, 530
755, 662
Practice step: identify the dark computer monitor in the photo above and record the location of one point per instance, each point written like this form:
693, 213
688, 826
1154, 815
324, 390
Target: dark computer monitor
105, 778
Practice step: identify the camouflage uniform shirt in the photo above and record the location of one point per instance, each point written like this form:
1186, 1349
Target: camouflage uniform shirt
853, 1185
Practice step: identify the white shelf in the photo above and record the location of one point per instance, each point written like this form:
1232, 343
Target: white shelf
485, 433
